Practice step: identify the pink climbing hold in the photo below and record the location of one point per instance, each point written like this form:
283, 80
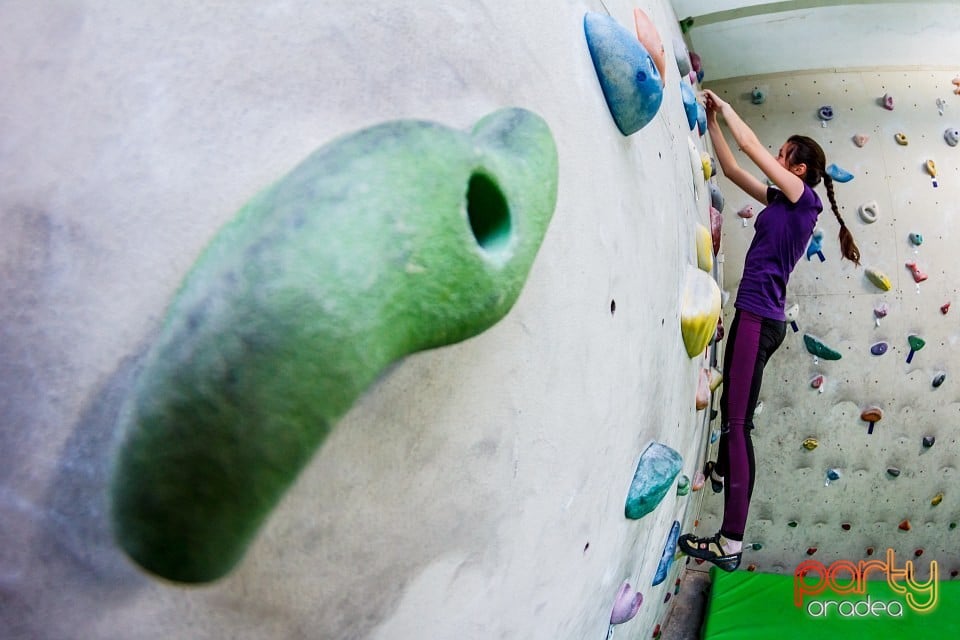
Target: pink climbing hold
888, 102
918, 275
817, 382
716, 225
698, 481
626, 605
860, 139
746, 212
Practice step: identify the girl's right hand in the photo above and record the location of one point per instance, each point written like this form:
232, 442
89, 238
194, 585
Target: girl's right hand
713, 103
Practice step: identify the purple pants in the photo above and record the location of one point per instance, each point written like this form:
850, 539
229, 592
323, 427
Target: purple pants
750, 342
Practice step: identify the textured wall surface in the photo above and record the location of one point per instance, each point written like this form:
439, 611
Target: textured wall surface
475, 491
793, 511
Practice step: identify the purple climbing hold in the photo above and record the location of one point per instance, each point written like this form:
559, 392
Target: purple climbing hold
928, 441
656, 470
879, 349
825, 112
626, 605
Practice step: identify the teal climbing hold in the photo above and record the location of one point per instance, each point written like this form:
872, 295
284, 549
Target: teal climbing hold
669, 551
656, 470
628, 76
690, 105
398, 238
701, 119
818, 349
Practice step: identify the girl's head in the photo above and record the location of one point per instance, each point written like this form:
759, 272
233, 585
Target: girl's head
805, 158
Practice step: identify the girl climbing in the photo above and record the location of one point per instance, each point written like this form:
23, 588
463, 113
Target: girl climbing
782, 231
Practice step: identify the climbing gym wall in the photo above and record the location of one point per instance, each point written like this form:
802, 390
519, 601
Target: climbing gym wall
509, 453
856, 446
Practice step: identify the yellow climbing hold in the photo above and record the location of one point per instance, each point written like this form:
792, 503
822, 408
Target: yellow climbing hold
937, 499
879, 280
931, 168
704, 248
901, 139
810, 444
707, 165
716, 378
699, 311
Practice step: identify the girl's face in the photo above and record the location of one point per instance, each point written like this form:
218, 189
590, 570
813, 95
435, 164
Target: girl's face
797, 169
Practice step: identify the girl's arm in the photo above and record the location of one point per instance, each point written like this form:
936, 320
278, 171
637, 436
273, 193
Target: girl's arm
789, 183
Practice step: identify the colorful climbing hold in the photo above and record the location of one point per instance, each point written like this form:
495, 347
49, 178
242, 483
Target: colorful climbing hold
916, 343
916, 239
832, 475
811, 551
871, 415
757, 96
878, 279
944, 308
714, 436
839, 174
845, 526
818, 349
683, 486
669, 551
869, 212
901, 139
869, 551
931, 168
918, 275
700, 311
756, 546
825, 112
904, 525
928, 441
649, 37
704, 248
918, 553
716, 197
630, 81
698, 481
626, 605
707, 163
701, 119
793, 524
404, 236
816, 245
682, 56
887, 101
938, 379
937, 499
860, 139
656, 470
817, 382
810, 444
880, 311
879, 348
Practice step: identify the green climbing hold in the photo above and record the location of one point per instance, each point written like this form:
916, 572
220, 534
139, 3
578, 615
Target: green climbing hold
819, 349
683, 486
656, 470
398, 238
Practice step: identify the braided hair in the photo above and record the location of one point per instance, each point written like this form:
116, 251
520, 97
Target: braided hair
804, 150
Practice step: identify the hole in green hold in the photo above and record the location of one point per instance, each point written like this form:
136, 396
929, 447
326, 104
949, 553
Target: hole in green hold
488, 212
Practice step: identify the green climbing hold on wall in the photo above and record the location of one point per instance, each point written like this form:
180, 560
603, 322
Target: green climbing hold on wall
879, 279
398, 238
683, 485
818, 349
656, 470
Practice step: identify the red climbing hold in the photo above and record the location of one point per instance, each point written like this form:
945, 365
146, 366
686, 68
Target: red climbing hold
905, 525
811, 551
945, 308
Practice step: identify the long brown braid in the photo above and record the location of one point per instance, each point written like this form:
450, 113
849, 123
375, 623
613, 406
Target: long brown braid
806, 151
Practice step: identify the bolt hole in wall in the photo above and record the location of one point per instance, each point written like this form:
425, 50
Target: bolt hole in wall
889, 172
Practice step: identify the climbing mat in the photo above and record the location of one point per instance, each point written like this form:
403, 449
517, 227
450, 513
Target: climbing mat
747, 605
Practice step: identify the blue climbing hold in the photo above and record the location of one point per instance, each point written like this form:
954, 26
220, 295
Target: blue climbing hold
656, 470
690, 105
669, 551
701, 119
628, 76
838, 174
879, 348
815, 248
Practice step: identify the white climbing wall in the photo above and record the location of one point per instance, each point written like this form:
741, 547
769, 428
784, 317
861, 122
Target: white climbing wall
475, 491
793, 511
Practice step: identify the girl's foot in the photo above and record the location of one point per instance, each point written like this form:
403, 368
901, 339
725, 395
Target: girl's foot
715, 549
716, 481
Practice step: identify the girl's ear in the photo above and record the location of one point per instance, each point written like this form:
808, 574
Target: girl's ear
799, 170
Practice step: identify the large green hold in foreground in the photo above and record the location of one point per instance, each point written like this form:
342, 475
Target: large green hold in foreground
398, 238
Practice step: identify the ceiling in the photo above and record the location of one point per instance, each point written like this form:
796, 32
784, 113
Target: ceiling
738, 38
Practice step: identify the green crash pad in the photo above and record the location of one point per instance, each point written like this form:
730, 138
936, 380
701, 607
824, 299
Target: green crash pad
746, 605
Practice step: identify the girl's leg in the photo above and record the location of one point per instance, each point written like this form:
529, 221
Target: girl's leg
752, 342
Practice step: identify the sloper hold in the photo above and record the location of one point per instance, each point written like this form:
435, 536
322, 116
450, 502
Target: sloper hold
628, 76
627, 604
699, 311
682, 56
402, 237
839, 174
689, 103
656, 471
669, 551
649, 37
878, 279
704, 248
818, 349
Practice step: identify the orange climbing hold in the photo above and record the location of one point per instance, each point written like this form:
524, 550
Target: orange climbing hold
649, 37
905, 525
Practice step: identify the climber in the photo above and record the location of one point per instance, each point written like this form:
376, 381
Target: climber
782, 231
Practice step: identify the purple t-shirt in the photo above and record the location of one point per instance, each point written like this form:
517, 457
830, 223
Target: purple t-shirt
782, 231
